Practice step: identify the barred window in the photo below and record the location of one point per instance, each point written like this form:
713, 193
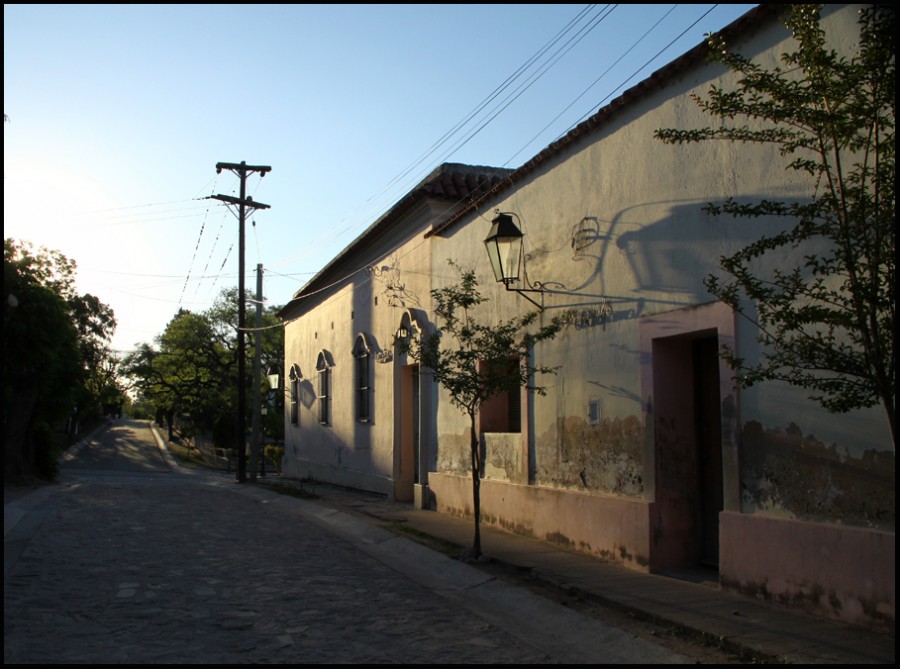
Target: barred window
324, 392
295, 377
363, 356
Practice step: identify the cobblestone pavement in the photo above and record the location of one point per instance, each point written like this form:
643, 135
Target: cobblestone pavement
135, 573
163, 568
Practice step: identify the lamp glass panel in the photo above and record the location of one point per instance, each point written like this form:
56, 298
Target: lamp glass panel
494, 256
509, 251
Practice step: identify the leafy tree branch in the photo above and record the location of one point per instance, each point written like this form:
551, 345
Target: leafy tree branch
473, 361
826, 323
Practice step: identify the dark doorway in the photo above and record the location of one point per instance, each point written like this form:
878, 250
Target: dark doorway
407, 464
708, 434
687, 425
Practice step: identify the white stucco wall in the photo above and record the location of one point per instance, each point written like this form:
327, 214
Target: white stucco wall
347, 451
615, 232
646, 246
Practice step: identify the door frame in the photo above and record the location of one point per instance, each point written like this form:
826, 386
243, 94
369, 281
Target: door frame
674, 543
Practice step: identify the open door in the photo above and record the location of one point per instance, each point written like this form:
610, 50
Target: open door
687, 426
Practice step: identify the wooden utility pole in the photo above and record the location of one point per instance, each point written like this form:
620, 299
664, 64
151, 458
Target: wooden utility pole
255, 450
242, 169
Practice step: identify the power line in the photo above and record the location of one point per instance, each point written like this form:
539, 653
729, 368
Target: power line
594, 83
640, 69
395, 185
617, 88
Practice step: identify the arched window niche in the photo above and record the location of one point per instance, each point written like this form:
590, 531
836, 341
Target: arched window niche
324, 363
362, 378
295, 377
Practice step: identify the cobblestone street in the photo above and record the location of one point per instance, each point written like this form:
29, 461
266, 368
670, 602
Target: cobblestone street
137, 572
132, 559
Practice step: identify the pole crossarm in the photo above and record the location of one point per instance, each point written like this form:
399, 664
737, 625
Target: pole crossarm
243, 167
249, 202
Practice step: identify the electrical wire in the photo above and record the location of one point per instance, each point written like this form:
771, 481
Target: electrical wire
593, 108
395, 185
398, 180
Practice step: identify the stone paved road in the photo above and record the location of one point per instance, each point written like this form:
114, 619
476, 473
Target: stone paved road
148, 572
156, 567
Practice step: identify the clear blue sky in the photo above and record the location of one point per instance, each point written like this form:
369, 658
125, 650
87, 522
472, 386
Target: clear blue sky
118, 115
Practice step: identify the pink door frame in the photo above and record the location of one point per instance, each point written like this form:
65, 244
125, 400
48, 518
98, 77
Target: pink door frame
672, 535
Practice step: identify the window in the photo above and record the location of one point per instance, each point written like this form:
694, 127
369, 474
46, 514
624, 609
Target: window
323, 367
502, 412
295, 394
362, 373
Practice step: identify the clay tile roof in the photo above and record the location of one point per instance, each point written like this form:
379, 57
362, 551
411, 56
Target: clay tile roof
457, 183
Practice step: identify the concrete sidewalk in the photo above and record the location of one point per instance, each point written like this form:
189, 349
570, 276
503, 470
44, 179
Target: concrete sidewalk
739, 624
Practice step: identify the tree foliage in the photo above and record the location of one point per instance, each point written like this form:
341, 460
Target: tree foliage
191, 373
827, 323
474, 361
56, 356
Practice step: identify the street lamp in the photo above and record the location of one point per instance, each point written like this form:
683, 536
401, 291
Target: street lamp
504, 249
272, 378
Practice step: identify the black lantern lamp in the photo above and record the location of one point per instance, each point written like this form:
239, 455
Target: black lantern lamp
273, 379
504, 249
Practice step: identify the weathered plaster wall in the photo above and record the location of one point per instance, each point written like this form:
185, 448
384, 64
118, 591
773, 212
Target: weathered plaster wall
504, 457
453, 450
606, 526
789, 474
616, 233
607, 457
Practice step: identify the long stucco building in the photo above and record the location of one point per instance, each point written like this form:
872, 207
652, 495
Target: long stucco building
642, 450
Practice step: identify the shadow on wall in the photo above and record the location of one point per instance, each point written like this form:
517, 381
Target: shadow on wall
307, 393
672, 255
677, 252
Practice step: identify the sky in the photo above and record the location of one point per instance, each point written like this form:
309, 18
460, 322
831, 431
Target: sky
118, 114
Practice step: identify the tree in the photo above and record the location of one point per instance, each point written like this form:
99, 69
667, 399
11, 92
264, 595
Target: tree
187, 374
192, 371
475, 361
96, 324
826, 324
54, 343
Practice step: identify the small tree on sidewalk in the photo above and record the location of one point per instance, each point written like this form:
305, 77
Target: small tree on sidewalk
474, 361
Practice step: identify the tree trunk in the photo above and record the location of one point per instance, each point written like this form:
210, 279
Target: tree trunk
476, 488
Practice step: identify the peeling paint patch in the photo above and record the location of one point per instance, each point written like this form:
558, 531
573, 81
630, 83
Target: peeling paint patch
503, 457
789, 473
453, 455
607, 457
